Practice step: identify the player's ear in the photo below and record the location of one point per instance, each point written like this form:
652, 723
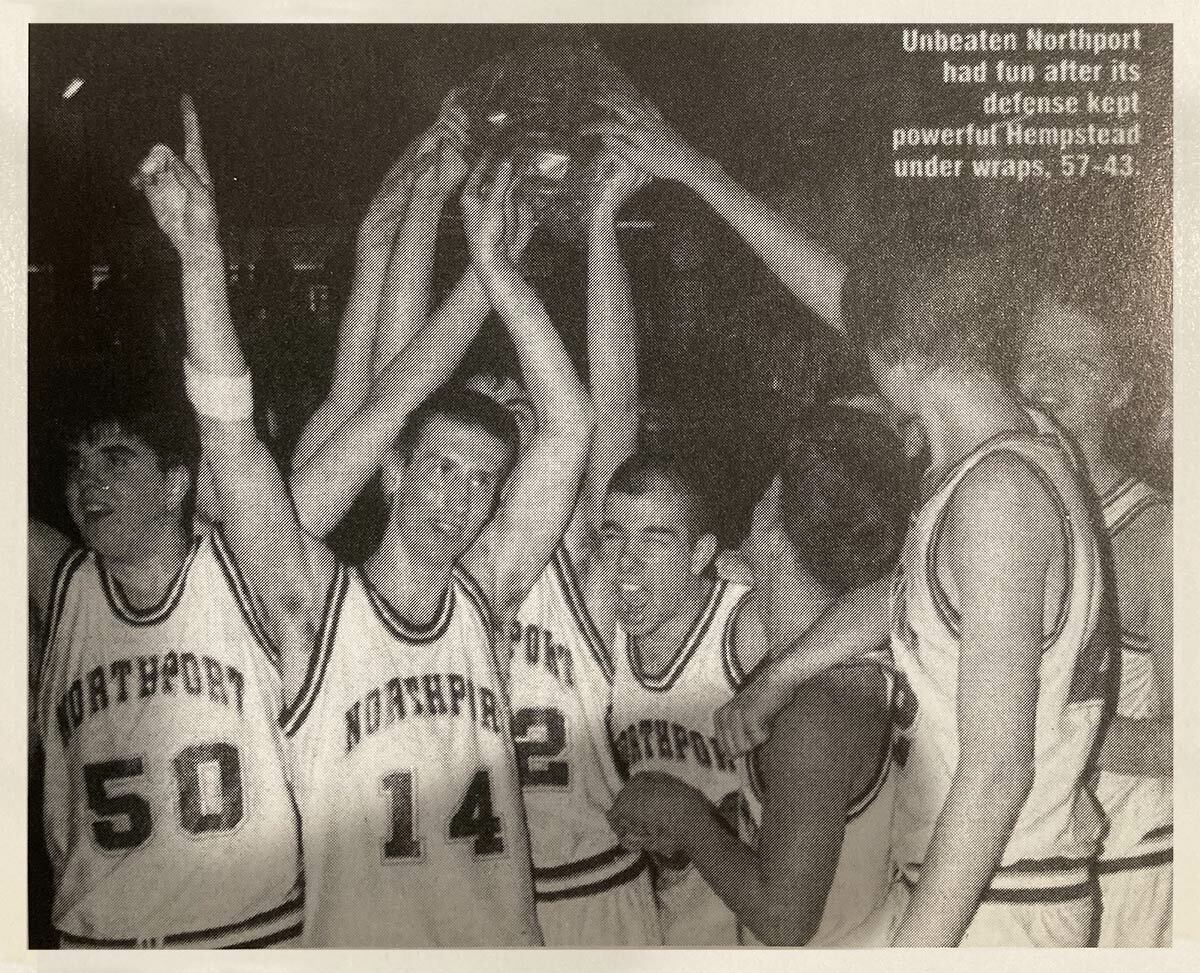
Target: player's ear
703, 552
393, 466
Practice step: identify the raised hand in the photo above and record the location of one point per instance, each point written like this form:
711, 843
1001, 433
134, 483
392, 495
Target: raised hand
180, 191
646, 141
486, 212
616, 180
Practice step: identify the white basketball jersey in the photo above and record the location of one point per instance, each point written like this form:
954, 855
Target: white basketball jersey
168, 814
414, 833
1139, 809
1058, 829
560, 683
667, 724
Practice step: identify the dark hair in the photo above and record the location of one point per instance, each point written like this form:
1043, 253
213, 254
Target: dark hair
847, 492
955, 309
659, 466
140, 407
467, 408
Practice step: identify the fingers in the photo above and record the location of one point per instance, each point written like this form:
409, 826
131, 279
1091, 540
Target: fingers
193, 146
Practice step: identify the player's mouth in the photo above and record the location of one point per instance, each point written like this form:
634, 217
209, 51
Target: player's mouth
94, 509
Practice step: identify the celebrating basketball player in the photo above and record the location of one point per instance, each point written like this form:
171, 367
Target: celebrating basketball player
1001, 589
1075, 366
167, 809
794, 841
403, 758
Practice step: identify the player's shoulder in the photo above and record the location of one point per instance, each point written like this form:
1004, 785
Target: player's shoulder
48, 550
1022, 481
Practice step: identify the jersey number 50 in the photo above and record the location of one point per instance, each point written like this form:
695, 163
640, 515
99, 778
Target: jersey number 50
209, 777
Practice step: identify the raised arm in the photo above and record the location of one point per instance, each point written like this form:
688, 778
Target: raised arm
612, 343
327, 484
1002, 535
376, 240
541, 493
287, 574
805, 267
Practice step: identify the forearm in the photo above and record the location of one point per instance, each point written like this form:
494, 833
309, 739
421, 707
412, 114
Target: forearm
733, 871
212, 342
857, 622
406, 288
966, 849
612, 354
805, 267
352, 371
561, 404
1142, 748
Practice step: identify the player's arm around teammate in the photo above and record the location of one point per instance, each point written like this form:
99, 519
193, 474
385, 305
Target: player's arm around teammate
811, 770
542, 491
287, 571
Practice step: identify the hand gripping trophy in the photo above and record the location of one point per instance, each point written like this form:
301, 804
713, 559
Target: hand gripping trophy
532, 104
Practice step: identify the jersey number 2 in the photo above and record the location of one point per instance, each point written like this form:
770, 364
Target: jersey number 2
540, 735
209, 777
474, 819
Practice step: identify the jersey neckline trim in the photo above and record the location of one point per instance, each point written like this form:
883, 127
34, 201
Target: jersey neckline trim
674, 669
401, 627
119, 603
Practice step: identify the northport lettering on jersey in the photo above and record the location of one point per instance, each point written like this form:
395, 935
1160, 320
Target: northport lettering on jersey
143, 677
542, 649
658, 739
435, 694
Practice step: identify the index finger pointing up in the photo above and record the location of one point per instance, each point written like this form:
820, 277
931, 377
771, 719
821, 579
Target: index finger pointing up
193, 148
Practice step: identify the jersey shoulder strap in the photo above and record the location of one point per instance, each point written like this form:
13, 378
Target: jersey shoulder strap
293, 717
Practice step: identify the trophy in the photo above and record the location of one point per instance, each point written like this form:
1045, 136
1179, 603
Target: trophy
532, 105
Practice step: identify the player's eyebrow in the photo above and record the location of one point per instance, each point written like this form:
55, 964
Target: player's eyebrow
118, 450
659, 531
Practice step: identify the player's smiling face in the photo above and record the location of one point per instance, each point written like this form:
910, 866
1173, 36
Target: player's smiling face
1066, 368
118, 493
446, 491
651, 556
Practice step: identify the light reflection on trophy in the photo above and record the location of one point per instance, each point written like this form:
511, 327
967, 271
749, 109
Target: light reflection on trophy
532, 104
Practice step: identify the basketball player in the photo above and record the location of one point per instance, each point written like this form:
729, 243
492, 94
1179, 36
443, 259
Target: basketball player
996, 630
404, 767
819, 799
591, 892
167, 811
1073, 366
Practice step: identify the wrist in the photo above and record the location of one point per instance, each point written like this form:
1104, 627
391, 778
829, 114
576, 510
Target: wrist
705, 176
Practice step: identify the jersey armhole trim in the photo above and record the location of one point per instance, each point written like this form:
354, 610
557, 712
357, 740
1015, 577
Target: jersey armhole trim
947, 613
68, 564
243, 596
291, 719
568, 580
735, 672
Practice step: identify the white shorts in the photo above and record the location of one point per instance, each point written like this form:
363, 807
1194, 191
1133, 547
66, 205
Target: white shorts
621, 916
1056, 924
1135, 906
